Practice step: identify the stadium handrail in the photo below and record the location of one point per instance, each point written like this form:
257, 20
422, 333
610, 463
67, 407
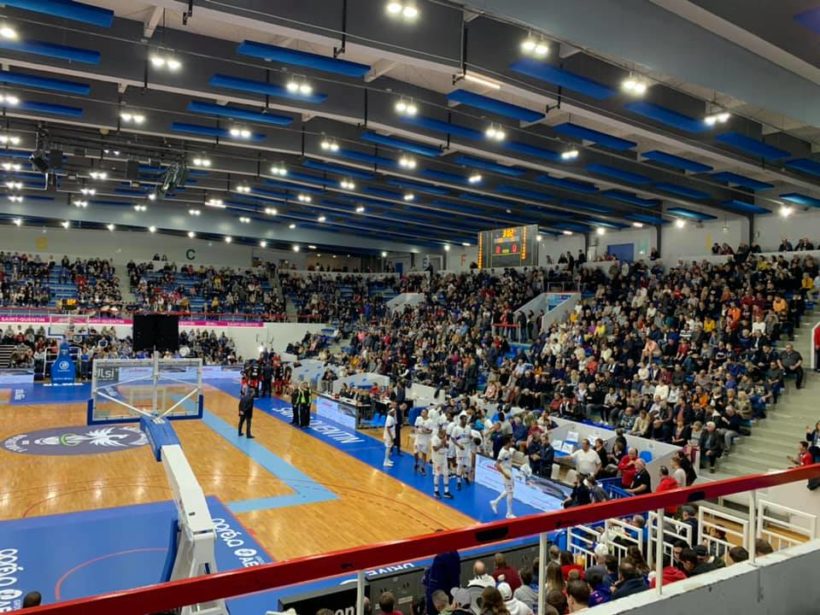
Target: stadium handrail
165, 596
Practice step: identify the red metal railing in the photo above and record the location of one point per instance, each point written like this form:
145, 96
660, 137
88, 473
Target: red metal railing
175, 594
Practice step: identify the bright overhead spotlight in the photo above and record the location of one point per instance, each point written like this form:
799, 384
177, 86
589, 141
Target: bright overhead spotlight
303, 198
717, 118
65, 223
201, 162
8, 33
637, 224
407, 10
81, 204
215, 203
152, 229
329, 145
347, 184
384, 254
475, 178
466, 244
570, 154
292, 226
98, 175
88, 191
9, 140
410, 12
263, 244
495, 132
194, 212
18, 221
160, 61
191, 234
534, 47
394, 8
295, 248
271, 211
407, 162
446, 247
110, 227
634, 86
406, 107
243, 189
311, 247
152, 196
785, 211
228, 239
15, 198
680, 223
538, 238
279, 169
298, 85
409, 196
483, 81
140, 208
600, 230
360, 209
14, 185
321, 219
238, 132
157, 61
244, 219
132, 118
9, 100
11, 166
567, 233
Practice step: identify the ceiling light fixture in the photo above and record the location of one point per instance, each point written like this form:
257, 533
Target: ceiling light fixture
110, 227
637, 224
347, 184
407, 162
18, 221
98, 175
194, 212
244, 219
15, 198
299, 86
9, 100
163, 62
321, 219
215, 203
567, 233
201, 162
271, 211
303, 198
360, 209
634, 85
717, 118
239, 132
570, 154
65, 223
228, 239
406, 106
785, 211
279, 169
291, 226
132, 118
88, 191
466, 244
409, 196
680, 223
191, 234
9, 140
243, 189
538, 238
8, 32
329, 145
14, 185
140, 208
535, 47
11, 166
263, 244
495, 132
295, 248
152, 196
311, 247
407, 11
446, 247
81, 204
475, 178
152, 229
479, 80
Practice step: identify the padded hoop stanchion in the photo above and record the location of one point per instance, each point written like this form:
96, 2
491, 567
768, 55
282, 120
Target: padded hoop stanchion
167, 596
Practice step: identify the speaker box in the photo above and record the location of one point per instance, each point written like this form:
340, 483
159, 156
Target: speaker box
132, 170
156, 332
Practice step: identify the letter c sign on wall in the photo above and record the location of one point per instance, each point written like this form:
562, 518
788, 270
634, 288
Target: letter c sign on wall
190, 254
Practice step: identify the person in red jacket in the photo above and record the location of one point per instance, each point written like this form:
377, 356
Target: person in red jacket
667, 483
627, 469
506, 573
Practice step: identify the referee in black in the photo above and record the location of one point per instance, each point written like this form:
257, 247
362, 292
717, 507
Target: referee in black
246, 411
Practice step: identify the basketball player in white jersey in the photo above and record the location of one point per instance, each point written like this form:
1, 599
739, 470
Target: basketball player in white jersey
460, 436
451, 447
439, 453
389, 436
504, 465
424, 431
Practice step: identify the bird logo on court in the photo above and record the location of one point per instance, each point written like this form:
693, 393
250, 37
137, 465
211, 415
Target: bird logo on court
88, 440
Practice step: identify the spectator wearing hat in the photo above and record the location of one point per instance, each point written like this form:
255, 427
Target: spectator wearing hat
513, 605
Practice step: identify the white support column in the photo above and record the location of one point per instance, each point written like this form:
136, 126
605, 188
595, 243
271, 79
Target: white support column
659, 553
360, 592
752, 529
542, 572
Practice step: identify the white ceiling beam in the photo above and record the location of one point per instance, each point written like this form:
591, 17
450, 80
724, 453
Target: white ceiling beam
378, 69
152, 22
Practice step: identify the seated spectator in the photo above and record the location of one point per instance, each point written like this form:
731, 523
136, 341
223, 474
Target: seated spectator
578, 596
641, 482
505, 573
711, 446
492, 602
480, 576
601, 589
387, 603
558, 601
630, 581
513, 605
735, 555
528, 592
804, 457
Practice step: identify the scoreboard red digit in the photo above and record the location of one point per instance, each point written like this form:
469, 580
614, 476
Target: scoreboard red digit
508, 247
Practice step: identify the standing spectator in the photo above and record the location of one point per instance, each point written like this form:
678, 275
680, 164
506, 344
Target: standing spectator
804, 457
443, 574
506, 573
667, 483
586, 460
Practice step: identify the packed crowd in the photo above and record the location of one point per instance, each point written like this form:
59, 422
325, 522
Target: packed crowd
162, 286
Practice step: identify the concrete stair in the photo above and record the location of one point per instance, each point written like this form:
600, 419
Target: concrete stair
776, 436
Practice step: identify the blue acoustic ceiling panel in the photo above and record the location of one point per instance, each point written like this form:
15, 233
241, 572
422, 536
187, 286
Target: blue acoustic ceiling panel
563, 78
211, 131
801, 199
690, 213
805, 165
584, 206
619, 174
50, 109
435, 125
402, 144
236, 113
50, 50
810, 19
293, 57
645, 218
744, 208
604, 223
260, 87
486, 165
418, 187
632, 199
45, 83
524, 193
682, 191
351, 154
752, 147
676, 162
575, 185
531, 150
444, 176
337, 169
492, 105
575, 227
312, 179
385, 194
599, 138
667, 117
489, 201
66, 9
727, 177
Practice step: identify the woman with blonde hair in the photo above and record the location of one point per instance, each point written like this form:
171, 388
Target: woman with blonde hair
555, 578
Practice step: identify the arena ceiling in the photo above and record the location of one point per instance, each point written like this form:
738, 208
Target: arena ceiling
293, 119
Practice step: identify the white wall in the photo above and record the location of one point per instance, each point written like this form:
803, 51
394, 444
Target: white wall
694, 240
460, 257
769, 230
643, 240
554, 247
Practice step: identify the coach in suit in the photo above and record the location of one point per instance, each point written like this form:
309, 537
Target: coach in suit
301, 404
246, 411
